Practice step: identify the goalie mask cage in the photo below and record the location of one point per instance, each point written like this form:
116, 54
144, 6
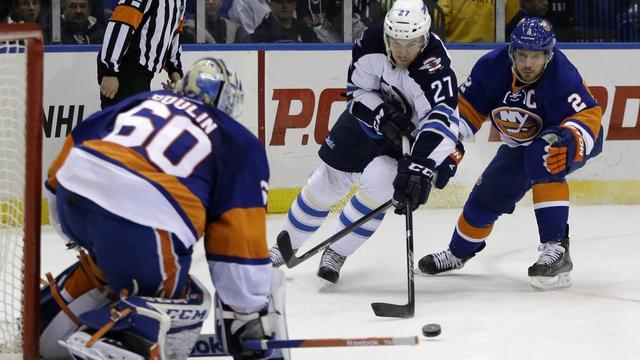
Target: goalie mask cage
21, 53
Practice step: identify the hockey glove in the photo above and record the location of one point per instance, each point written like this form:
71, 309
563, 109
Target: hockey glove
558, 151
412, 183
447, 169
566, 149
392, 124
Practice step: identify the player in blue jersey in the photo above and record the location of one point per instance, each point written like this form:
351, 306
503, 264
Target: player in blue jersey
134, 188
550, 125
400, 83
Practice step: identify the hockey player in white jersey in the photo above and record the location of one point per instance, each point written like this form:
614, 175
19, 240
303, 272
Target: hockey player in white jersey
400, 83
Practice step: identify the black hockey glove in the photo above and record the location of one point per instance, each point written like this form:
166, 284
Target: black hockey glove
392, 124
447, 169
412, 183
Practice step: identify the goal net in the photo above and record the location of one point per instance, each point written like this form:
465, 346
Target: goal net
20, 184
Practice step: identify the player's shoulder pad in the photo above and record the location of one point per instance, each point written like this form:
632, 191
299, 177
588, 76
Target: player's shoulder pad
370, 41
433, 63
561, 71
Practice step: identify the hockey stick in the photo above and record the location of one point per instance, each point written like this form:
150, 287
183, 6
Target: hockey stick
284, 243
208, 345
407, 310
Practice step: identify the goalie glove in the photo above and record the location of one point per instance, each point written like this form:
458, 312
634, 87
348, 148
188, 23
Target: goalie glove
412, 183
392, 125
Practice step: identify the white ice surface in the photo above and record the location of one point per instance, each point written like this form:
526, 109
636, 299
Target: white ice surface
487, 310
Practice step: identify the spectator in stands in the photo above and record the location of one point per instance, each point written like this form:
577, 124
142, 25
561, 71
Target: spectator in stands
330, 27
281, 26
29, 11
562, 17
628, 21
218, 30
469, 20
528, 8
78, 26
249, 13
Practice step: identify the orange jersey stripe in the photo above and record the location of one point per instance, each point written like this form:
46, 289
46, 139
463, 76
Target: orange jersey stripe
59, 160
554, 191
169, 262
592, 118
188, 202
469, 113
128, 15
239, 233
471, 231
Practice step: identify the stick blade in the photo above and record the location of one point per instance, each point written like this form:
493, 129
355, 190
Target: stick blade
392, 310
284, 244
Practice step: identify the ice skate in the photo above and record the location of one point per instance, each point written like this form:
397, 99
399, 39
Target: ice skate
552, 269
442, 261
330, 265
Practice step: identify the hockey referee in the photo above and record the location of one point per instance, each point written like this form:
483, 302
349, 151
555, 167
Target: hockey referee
142, 37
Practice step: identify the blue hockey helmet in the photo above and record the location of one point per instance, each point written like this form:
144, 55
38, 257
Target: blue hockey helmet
212, 82
533, 34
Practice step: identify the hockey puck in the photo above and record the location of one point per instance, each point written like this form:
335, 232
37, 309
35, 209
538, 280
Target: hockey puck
431, 330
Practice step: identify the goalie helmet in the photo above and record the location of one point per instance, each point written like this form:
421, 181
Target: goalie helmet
407, 19
212, 82
533, 34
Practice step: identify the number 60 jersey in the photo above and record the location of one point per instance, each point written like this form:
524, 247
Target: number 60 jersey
172, 163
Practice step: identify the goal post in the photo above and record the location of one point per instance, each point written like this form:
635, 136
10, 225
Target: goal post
21, 70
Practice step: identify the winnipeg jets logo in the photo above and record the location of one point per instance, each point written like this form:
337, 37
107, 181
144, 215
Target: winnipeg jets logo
432, 64
393, 96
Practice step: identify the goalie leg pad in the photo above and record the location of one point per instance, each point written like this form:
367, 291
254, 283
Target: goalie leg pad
154, 327
79, 295
270, 323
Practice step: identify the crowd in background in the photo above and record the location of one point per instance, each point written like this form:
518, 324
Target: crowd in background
314, 21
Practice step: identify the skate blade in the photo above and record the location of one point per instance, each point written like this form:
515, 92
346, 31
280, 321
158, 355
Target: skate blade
326, 286
562, 280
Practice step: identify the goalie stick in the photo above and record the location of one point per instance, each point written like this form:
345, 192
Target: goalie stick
284, 243
208, 345
407, 310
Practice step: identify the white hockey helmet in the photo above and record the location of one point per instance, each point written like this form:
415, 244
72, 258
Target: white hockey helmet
407, 19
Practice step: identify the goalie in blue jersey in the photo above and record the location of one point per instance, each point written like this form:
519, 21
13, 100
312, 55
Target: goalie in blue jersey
134, 188
550, 126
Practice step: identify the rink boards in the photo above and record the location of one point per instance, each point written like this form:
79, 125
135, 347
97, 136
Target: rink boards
294, 94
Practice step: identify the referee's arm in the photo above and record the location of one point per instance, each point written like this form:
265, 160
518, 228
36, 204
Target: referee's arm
124, 21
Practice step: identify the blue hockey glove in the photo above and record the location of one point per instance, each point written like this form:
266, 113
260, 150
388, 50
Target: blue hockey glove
412, 183
447, 169
392, 124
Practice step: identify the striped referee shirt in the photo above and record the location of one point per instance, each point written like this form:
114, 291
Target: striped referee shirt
144, 32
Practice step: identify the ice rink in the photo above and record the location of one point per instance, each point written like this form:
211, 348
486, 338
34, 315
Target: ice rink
487, 310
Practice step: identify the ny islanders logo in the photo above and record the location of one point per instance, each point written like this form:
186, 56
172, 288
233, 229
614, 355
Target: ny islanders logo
516, 123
